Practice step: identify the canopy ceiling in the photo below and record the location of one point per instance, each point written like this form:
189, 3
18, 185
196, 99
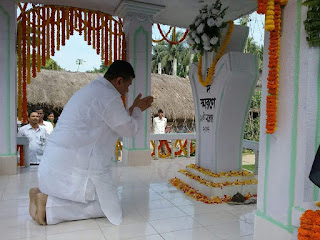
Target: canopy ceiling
178, 13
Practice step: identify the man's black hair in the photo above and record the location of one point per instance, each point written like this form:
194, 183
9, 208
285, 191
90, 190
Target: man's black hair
120, 68
160, 111
32, 111
38, 108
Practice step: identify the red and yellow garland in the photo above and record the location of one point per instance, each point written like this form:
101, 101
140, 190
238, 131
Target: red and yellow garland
195, 194
178, 141
272, 11
309, 225
43, 29
174, 42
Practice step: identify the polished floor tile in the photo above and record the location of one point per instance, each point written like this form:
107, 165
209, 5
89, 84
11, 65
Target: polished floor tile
128, 231
231, 230
150, 237
162, 213
92, 234
71, 226
190, 234
207, 219
152, 210
174, 224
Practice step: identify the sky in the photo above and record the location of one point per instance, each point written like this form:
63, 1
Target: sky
77, 48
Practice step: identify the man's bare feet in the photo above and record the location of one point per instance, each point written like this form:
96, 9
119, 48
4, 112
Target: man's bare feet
41, 202
32, 202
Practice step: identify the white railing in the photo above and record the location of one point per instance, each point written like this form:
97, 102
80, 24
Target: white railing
191, 136
173, 137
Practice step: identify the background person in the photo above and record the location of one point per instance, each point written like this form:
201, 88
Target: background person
48, 126
159, 127
37, 136
51, 119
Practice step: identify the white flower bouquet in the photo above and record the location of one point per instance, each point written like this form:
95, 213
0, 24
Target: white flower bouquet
205, 32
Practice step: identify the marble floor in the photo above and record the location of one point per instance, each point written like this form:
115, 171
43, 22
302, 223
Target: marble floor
152, 210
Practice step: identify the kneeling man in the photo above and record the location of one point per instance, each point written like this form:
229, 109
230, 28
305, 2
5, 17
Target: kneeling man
75, 174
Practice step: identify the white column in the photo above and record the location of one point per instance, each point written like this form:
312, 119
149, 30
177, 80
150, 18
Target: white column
285, 157
8, 109
138, 19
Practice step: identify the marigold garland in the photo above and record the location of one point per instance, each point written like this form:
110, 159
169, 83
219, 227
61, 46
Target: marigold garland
115, 40
172, 42
215, 60
273, 23
195, 194
160, 40
216, 185
34, 45
177, 153
262, 7
19, 75
28, 48
47, 23
309, 225
220, 174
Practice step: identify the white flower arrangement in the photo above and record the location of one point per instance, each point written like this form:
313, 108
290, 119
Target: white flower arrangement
205, 32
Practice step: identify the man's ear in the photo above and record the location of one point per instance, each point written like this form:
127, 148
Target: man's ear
119, 80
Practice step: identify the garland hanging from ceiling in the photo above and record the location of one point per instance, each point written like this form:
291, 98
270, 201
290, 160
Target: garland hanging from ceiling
272, 11
42, 30
174, 38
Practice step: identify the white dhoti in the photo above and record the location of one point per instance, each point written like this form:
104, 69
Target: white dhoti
62, 210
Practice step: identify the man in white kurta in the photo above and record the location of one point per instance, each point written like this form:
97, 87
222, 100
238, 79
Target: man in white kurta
76, 170
47, 125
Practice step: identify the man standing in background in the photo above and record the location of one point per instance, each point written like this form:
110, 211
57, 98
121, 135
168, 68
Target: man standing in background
159, 127
37, 136
47, 125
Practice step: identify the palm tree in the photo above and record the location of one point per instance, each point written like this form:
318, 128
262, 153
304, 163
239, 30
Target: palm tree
168, 55
79, 62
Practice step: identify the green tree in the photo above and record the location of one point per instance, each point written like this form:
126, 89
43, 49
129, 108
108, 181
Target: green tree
165, 54
102, 69
79, 62
52, 65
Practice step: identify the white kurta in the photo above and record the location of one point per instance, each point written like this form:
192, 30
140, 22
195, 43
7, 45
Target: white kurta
48, 126
159, 125
82, 144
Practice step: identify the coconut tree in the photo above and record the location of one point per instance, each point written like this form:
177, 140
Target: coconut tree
79, 62
169, 55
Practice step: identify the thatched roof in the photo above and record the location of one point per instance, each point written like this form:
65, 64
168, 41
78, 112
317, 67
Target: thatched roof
54, 88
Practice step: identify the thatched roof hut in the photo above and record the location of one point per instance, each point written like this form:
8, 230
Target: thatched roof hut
53, 89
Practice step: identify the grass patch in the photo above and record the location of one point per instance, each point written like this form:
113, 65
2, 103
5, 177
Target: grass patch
249, 167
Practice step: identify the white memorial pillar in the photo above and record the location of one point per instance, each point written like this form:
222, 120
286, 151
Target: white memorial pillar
8, 108
221, 109
286, 157
138, 19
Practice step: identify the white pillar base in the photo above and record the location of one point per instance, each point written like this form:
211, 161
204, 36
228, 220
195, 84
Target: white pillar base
8, 165
265, 230
136, 158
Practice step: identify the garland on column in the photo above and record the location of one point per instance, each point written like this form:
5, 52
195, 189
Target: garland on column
42, 30
272, 11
